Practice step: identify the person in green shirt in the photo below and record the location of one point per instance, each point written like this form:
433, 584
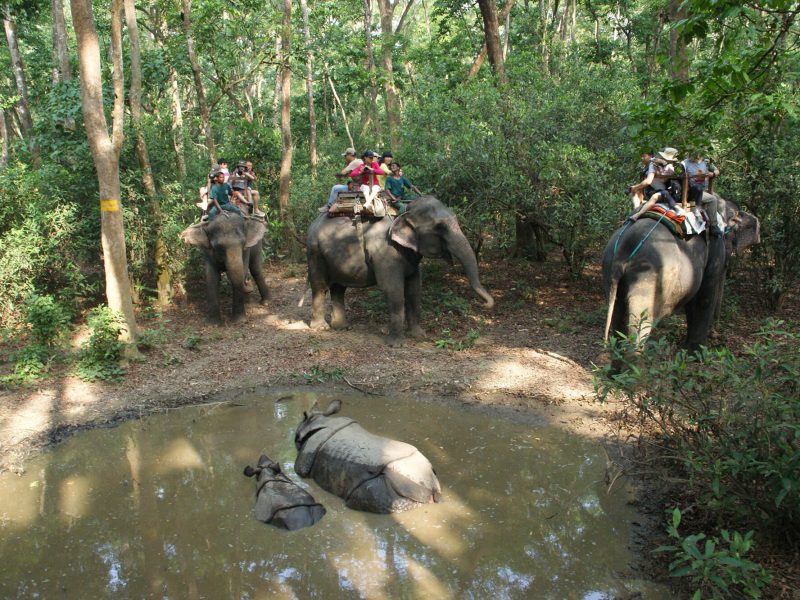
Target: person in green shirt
396, 186
221, 194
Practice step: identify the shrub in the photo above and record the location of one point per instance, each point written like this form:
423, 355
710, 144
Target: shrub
46, 317
731, 421
99, 358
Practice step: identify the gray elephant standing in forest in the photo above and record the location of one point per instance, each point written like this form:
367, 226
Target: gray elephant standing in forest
386, 254
369, 472
649, 273
232, 244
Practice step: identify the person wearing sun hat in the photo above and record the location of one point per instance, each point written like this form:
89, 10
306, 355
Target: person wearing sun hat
656, 184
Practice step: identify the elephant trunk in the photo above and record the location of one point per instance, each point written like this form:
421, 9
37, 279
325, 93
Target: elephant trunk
459, 247
235, 269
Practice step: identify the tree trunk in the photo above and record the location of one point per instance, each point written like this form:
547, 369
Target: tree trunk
105, 152
276, 96
62, 72
341, 108
23, 106
479, 60
312, 118
286, 131
205, 114
4, 138
386, 9
163, 272
678, 59
372, 106
161, 33
491, 31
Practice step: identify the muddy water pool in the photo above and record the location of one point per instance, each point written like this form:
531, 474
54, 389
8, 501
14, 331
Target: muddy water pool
159, 508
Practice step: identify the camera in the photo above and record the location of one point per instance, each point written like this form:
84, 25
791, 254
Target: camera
628, 190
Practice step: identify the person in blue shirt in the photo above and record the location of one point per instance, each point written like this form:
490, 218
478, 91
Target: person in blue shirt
221, 194
396, 186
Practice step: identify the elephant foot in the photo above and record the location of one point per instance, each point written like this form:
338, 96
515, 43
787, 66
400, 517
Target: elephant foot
238, 318
214, 320
395, 341
248, 287
416, 332
319, 324
264, 301
339, 324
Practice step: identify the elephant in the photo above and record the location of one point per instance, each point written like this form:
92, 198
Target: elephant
371, 473
385, 252
232, 243
281, 502
649, 273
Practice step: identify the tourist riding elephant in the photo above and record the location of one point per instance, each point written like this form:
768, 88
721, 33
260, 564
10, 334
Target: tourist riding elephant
649, 273
369, 472
387, 253
232, 243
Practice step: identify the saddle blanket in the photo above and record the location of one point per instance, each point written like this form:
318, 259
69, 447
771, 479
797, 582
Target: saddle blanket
682, 222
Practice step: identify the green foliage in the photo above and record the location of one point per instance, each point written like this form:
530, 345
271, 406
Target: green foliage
47, 318
467, 342
319, 374
715, 570
731, 421
31, 363
100, 357
148, 339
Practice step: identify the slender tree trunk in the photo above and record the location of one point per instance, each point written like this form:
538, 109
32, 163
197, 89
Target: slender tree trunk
312, 118
386, 9
23, 106
62, 72
105, 152
372, 107
341, 108
4, 138
160, 29
276, 96
163, 272
491, 32
479, 60
205, 114
286, 131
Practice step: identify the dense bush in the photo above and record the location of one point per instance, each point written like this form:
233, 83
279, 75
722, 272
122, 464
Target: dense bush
731, 421
100, 356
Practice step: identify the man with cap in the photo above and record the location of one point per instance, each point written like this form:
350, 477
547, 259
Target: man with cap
351, 162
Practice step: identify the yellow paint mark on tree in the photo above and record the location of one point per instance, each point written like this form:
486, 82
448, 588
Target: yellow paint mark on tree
109, 205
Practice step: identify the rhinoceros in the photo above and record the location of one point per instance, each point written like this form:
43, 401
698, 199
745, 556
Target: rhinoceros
371, 473
281, 502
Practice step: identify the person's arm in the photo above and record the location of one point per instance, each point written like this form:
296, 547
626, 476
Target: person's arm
645, 182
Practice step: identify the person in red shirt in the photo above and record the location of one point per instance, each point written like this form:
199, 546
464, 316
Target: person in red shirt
367, 173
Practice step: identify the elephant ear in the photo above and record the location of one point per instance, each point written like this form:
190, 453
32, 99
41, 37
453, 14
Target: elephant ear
195, 235
404, 233
255, 232
748, 231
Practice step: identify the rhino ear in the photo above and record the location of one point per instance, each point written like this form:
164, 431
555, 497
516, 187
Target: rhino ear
195, 235
334, 407
255, 232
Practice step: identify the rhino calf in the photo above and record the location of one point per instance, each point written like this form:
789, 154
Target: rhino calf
279, 501
370, 472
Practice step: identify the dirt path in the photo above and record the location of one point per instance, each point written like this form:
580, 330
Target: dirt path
532, 354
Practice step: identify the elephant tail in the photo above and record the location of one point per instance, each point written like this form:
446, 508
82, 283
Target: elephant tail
616, 275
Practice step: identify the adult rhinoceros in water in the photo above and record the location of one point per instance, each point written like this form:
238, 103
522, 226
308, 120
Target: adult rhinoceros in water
372, 473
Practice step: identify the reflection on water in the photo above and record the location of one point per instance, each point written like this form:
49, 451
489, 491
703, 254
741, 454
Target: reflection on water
160, 508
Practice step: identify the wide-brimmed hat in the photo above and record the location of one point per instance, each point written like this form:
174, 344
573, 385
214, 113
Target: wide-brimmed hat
349, 151
668, 154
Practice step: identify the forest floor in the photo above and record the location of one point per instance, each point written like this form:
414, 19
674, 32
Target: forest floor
531, 356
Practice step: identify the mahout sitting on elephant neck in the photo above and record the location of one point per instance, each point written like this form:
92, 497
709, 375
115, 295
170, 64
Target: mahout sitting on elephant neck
281, 502
370, 472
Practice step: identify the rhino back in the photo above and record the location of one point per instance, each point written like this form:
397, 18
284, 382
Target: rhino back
326, 428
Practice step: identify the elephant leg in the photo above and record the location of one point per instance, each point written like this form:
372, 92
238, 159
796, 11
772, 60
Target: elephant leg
338, 318
394, 289
317, 279
413, 291
641, 314
212, 292
702, 308
257, 271
234, 266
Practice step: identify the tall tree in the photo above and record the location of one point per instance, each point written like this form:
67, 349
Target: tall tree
197, 74
369, 58
312, 119
62, 72
105, 151
23, 106
678, 57
3, 140
386, 8
479, 60
491, 30
163, 272
286, 128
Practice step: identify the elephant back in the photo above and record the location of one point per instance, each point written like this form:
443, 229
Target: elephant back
374, 473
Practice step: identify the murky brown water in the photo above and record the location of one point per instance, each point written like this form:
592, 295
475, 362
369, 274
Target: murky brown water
159, 508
